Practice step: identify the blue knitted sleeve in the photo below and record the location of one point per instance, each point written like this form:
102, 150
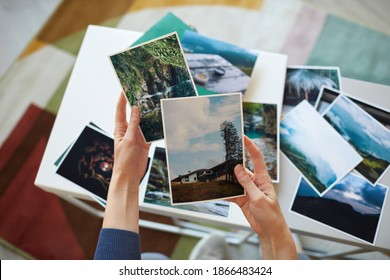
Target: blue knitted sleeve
117, 244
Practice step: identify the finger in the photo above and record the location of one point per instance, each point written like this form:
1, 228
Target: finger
141, 139
246, 182
120, 116
249, 172
256, 156
132, 128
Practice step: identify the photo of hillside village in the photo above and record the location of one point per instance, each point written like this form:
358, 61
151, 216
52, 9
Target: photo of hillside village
150, 72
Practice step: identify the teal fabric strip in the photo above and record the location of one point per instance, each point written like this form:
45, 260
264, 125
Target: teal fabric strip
361, 53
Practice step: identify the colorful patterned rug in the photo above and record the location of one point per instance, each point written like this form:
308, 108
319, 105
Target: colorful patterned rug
47, 227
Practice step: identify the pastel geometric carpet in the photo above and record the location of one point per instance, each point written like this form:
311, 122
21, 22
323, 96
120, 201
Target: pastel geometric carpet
45, 226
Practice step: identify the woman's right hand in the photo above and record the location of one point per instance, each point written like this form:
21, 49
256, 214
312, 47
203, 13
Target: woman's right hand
261, 208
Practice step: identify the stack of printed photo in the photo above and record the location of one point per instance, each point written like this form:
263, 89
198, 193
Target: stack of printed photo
341, 147
189, 89
191, 93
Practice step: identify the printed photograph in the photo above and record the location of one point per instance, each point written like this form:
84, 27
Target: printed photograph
315, 148
89, 162
325, 98
328, 95
157, 190
203, 138
352, 206
368, 136
261, 126
150, 72
217, 66
305, 82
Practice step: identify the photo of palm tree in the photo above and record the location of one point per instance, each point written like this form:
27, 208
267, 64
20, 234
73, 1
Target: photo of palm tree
261, 126
352, 206
150, 72
305, 82
204, 142
315, 148
363, 132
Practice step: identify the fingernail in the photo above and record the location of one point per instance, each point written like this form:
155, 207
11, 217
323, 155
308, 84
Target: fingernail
241, 171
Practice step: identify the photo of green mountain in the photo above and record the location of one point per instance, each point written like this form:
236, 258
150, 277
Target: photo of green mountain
369, 137
315, 148
150, 72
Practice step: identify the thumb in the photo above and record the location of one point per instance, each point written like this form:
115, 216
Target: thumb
247, 183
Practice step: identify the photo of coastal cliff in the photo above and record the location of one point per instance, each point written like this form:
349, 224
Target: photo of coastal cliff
352, 206
204, 142
150, 72
217, 66
261, 126
315, 148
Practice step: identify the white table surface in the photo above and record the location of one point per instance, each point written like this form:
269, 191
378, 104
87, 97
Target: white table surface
92, 93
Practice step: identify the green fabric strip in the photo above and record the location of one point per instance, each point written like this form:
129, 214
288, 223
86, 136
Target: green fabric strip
361, 53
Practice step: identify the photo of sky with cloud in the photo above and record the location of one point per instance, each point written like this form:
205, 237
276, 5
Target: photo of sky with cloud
315, 148
192, 130
352, 206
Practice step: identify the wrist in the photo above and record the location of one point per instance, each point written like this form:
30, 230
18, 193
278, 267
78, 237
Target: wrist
278, 243
121, 184
283, 244
122, 209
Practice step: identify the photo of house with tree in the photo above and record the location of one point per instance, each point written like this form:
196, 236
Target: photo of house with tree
157, 190
203, 149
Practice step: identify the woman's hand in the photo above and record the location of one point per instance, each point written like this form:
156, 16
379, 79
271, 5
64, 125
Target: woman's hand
130, 149
130, 159
261, 208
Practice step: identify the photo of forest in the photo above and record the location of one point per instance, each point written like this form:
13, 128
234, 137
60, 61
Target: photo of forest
369, 137
315, 148
352, 206
203, 147
261, 126
304, 83
150, 72
157, 190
